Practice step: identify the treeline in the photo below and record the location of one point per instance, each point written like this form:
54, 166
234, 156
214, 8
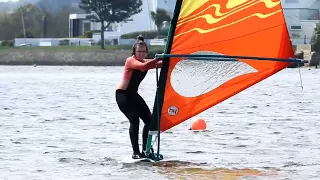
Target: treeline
50, 5
40, 22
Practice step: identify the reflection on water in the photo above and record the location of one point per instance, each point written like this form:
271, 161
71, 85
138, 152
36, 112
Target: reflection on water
219, 173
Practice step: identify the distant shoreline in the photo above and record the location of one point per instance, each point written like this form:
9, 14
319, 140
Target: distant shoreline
72, 55
65, 59
66, 56
53, 58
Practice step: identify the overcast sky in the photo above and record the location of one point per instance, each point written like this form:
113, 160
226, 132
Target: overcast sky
7, 0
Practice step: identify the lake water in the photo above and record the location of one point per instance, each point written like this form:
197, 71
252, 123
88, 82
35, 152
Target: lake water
63, 123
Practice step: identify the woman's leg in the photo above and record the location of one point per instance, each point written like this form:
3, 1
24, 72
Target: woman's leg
145, 115
128, 108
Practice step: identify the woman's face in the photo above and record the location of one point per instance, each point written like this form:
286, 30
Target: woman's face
141, 52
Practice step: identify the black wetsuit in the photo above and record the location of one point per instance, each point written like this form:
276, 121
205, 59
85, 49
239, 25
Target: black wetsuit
134, 107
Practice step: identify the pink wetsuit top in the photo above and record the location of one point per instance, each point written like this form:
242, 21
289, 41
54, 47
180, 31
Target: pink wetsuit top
135, 71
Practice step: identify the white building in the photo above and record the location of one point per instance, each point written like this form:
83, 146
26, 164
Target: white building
139, 22
301, 16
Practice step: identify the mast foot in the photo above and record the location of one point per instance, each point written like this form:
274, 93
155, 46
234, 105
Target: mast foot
155, 157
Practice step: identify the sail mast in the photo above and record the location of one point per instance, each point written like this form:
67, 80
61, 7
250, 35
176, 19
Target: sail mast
156, 115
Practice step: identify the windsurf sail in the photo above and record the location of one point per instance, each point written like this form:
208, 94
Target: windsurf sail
217, 27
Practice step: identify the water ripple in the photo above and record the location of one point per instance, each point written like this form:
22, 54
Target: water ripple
63, 123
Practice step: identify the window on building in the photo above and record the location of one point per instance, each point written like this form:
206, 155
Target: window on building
87, 26
109, 28
116, 28
295, 27
309, 14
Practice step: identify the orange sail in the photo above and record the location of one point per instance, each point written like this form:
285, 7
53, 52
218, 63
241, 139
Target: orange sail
229, 27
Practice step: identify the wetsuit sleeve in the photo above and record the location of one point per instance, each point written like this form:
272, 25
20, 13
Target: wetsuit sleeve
142, 66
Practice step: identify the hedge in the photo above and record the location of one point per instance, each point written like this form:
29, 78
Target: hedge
146, 34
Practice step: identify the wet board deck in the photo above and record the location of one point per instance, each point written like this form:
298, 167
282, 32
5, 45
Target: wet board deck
130, 160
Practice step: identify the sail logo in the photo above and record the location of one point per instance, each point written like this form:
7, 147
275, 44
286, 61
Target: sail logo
173, 110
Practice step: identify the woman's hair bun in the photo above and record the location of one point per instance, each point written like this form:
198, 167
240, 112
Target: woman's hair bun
140, 38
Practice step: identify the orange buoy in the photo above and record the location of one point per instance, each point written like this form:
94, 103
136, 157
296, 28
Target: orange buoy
198, 124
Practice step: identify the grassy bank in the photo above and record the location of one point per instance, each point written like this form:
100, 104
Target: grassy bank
75, 48
66, 48
69, 55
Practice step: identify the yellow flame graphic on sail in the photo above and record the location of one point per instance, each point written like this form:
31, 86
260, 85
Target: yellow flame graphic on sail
202, 31
234, 3
217, 12
211, 20
189, 6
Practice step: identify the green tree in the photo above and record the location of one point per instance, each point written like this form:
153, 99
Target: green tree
40, 22
32, 17
110, 11
88, 34
6, 27
28, 34
315, 40
56, 24
54, 6
159, 17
